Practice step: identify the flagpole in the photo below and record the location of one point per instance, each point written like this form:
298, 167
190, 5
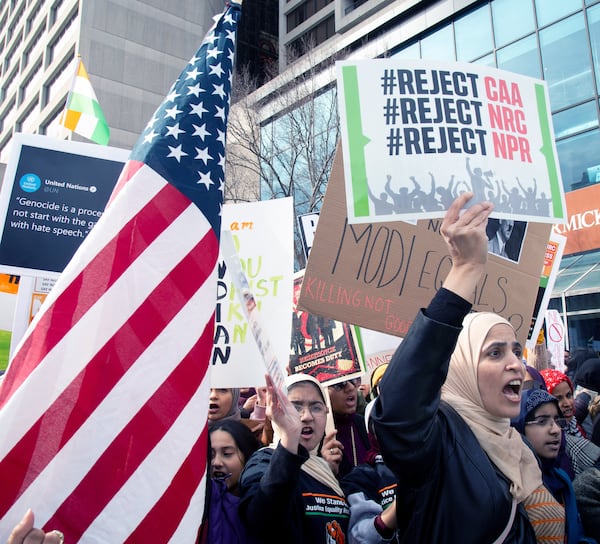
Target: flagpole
70, 93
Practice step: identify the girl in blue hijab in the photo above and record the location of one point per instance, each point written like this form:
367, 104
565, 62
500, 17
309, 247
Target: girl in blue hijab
541, 424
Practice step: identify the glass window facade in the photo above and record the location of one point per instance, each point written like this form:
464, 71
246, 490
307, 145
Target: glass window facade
549, 11
508, 26
556, 40
566, 62
521, 57
473, 34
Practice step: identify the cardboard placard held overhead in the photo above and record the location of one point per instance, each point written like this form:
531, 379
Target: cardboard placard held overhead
378, 275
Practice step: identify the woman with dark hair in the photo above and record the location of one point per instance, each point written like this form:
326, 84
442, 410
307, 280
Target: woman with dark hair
231, 445
224, 404
581, 451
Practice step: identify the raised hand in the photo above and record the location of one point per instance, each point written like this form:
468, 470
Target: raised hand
332, 451
466, 240
284, 415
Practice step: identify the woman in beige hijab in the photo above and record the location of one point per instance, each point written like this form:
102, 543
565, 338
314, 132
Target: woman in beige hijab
443, 413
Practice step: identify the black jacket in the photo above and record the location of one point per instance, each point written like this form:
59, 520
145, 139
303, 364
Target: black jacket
282, 503
448, 489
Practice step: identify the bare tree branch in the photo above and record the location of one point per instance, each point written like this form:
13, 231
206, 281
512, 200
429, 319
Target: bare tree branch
291, 152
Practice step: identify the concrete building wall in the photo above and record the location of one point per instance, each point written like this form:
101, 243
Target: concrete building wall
133, 51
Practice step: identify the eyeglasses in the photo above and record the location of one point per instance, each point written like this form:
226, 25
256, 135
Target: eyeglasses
315, 408
546, 421
342, 385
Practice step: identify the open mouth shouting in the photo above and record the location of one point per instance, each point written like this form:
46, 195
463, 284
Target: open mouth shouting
512, 390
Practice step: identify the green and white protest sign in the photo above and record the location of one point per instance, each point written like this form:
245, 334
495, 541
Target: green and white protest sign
417, 133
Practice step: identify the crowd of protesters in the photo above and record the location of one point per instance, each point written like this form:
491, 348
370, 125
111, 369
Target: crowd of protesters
460, 441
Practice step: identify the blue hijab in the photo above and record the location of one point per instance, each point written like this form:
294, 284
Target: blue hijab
555, 479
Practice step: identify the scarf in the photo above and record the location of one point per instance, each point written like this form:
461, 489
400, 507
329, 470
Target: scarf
315, 466
553, 377
499, 440
547, 516
348, 434
234, 410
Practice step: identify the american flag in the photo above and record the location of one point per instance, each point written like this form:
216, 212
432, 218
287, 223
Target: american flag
103, 409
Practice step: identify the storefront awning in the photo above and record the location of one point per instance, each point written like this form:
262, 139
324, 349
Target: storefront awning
578, 275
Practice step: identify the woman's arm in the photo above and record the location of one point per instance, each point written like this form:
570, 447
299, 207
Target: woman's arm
404, 413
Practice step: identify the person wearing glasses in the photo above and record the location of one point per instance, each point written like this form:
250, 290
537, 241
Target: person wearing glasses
541, 423
350, 425
288, 492
442, 417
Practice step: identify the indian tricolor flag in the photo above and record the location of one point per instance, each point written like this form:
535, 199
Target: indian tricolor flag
83, 114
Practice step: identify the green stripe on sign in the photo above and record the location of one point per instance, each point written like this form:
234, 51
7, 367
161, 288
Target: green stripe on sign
356, 142
547, 151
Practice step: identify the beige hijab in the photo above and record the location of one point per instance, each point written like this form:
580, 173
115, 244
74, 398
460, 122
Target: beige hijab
316, 466
500, 441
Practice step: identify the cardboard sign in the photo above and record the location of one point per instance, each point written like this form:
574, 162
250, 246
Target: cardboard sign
322, 347
416, 133
377, 275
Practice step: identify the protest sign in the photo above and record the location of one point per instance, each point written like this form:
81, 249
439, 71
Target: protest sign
251, 312
32, 294
322, 347
54, 192
377, 275
552, 257
416, 133
555, 338
377, 348
307, 226
263, 236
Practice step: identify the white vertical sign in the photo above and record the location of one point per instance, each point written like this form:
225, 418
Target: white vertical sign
555, 338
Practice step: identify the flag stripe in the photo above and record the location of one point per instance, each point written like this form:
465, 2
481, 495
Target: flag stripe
125, 399
86, 125
158, 527
139, 494
71, 118
84, 103
156, 417
82, 98
139, 231
98, 378
101, 133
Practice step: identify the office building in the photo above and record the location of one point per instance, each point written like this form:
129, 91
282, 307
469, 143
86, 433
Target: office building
555, 41
132, 49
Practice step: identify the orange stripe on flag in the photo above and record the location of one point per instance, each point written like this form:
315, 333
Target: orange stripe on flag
81, 71
71, 119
